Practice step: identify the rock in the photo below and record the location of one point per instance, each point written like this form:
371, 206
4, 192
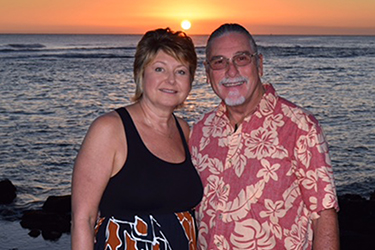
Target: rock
350, 240
357, 222
34, 233
45, 221
51, 235
372, 196
58, 204
7, 192
52, 220
351, 197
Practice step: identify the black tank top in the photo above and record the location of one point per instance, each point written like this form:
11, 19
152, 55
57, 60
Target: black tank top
147, 184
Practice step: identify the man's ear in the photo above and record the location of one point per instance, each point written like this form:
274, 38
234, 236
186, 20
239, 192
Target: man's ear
207, 69
260, 65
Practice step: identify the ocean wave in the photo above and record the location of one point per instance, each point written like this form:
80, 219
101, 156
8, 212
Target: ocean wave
22, 51
82, 51
85, 56
37, 48
316, 52
40, 51
27, 46
71, 56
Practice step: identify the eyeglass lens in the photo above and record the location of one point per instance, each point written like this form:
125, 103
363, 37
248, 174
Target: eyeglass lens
238, 60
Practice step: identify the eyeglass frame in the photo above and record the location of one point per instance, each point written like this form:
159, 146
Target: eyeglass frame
231, 59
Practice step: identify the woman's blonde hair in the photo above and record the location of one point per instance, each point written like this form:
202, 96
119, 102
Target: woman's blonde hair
176, 44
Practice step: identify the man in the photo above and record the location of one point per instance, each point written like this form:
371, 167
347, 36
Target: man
264, 163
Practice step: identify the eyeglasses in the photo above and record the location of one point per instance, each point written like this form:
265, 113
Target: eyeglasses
240, 60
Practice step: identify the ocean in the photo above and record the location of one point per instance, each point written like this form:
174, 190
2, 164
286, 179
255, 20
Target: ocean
53, 86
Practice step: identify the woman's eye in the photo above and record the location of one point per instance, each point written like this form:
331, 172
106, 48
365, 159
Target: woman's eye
182, 72
158, 69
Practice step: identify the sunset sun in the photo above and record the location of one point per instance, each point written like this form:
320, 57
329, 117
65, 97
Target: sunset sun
185, 24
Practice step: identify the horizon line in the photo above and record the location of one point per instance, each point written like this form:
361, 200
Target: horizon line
141, 34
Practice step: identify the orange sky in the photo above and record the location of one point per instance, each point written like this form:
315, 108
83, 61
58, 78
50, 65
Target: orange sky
137, 16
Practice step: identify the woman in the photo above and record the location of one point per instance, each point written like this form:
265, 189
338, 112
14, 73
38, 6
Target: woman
134, 168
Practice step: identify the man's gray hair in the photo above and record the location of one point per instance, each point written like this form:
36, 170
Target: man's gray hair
230, 28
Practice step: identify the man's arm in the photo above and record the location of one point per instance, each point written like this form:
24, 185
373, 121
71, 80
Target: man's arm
326, 231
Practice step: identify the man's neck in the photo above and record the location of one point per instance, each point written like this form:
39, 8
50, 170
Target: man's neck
237, 114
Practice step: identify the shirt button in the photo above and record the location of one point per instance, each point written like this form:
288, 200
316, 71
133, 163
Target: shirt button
220, 216
230, 160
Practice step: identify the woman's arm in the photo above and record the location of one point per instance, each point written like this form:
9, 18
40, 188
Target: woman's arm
93, 168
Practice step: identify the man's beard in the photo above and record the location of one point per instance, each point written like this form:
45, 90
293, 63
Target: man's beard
234, 97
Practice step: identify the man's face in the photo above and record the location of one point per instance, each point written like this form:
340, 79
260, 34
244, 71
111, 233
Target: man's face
234, 84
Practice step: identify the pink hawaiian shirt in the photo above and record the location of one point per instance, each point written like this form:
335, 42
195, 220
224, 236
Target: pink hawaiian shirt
264, 182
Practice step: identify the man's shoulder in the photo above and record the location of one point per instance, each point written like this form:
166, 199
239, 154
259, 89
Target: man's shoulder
202, 118
296, 112
196, 131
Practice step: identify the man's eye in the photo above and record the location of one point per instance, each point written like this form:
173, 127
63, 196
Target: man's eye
242, 58
219, 62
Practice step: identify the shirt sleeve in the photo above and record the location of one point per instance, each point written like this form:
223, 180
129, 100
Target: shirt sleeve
314, 169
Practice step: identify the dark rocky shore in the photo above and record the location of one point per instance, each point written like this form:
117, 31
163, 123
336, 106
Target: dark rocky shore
356, 218
50, 221
357, 222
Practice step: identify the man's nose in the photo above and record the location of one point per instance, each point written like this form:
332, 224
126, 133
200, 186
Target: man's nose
231, 69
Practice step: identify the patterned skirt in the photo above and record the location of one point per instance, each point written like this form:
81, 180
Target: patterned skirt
175, 231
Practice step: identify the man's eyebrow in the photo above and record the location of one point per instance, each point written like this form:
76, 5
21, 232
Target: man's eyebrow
235, 54
242, 52
217, 57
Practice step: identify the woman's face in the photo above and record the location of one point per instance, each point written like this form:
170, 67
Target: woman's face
166, 81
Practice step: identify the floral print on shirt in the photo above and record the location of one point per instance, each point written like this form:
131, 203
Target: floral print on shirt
264, 182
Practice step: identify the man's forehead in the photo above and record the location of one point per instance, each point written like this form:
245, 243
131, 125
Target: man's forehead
230, 44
